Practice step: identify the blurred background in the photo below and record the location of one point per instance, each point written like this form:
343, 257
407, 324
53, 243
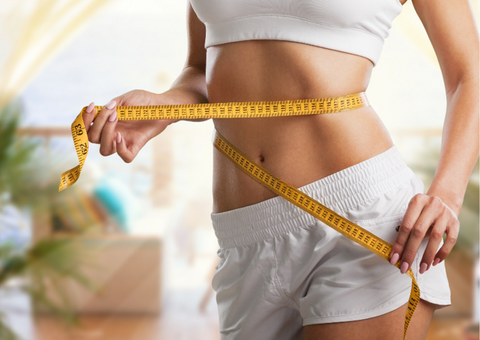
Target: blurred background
129, 251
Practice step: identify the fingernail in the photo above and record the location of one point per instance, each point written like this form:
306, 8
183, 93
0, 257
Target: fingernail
437, 260
404, 268
111, 104
423, 268
113, 116
119, 138
90, 108
394, 258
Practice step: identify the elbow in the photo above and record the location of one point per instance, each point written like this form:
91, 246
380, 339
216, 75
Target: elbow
466, 82
465, 77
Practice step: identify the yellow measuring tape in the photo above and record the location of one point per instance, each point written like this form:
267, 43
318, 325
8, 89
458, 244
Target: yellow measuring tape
209, 110
251, 110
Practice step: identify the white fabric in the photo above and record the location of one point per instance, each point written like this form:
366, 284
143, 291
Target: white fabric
352, 26
281, 269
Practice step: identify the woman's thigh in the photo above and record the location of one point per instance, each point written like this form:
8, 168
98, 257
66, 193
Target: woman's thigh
386, 326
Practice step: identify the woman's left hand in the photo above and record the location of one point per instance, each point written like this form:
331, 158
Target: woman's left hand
426, 217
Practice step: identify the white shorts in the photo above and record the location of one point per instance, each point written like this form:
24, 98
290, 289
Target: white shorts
281, 269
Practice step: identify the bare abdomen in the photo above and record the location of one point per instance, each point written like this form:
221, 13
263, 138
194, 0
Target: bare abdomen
299, 150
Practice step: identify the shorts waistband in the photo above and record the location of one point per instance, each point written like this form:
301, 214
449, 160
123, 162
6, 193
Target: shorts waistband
340, 192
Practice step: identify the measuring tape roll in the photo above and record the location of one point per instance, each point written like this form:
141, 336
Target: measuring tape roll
255, 110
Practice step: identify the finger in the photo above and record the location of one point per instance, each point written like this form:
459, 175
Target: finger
107, 139
94, 135
417, 234
415, 207
122, 149
88, 116
436, 236
452, 234
427, 218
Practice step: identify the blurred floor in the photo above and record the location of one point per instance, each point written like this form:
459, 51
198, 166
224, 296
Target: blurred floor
180, 320
113, 328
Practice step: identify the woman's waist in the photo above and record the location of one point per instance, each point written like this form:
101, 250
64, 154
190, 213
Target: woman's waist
255, 70
298, 149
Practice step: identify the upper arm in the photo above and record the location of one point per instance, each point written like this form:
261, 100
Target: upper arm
197, 55
451, 28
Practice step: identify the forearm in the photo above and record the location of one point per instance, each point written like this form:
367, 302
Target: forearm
460, 145
190, 86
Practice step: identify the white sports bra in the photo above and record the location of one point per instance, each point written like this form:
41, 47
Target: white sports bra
353, 26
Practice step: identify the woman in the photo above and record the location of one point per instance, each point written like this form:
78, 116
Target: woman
283, 275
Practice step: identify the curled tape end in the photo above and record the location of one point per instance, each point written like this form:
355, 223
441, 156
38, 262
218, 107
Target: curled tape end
62, 185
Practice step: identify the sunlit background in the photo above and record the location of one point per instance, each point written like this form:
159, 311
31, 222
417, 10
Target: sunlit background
129, 251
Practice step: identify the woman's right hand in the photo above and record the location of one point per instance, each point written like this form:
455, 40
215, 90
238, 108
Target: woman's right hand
126, 137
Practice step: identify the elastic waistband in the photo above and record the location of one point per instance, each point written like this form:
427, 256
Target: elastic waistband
340, 192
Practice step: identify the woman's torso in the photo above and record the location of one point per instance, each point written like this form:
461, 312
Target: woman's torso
300, 149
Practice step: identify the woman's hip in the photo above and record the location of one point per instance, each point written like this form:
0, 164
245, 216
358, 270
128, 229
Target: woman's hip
372, 190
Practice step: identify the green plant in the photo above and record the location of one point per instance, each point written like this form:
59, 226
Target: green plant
24, 178
48, 262
27, 182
